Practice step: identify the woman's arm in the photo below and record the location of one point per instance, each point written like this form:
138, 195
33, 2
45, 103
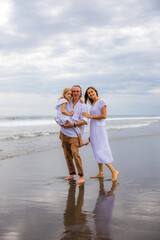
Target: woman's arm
64, 111
102, 116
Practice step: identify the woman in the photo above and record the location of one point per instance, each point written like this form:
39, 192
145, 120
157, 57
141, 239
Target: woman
98, 133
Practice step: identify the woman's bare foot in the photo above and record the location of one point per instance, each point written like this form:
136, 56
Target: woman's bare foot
114, 176
100, 175
69, 178
80, 180
113, 188
81, 144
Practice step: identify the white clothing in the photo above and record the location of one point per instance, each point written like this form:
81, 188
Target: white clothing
60, 117
103, 215
98, 135
78, 109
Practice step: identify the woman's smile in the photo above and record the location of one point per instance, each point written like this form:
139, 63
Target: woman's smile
91, 93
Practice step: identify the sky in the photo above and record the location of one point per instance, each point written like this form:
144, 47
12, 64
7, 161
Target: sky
48, 45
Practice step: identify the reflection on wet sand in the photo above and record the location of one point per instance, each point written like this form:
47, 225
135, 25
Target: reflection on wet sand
103, 211
74, 219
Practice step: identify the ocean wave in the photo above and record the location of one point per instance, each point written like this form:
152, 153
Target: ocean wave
26, 123
12, 134
50, 122
132, 125
26, 135
133, 118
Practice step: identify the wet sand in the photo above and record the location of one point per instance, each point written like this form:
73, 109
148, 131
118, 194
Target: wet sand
36, 203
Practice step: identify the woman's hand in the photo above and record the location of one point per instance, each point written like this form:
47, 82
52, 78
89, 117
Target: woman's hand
81, 101
85, 114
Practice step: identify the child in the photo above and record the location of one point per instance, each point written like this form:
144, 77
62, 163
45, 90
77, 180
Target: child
63, 115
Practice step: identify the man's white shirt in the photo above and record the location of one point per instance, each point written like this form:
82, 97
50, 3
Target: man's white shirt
78, 109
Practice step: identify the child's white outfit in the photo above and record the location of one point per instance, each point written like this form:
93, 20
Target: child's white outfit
62, 118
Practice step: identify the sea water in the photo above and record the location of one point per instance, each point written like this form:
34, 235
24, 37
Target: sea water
23, 135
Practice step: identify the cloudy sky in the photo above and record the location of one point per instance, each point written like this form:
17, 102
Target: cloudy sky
48, 45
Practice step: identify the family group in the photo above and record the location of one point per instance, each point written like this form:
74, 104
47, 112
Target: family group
72, 115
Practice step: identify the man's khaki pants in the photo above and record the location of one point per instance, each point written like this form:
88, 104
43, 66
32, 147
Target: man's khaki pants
71, 150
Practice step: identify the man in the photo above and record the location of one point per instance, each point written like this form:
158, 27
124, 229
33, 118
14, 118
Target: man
69, 138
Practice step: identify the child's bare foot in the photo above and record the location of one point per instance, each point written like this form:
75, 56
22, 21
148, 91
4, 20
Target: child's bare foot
100, 175
81, 144
80, 180
69, 178
114, 176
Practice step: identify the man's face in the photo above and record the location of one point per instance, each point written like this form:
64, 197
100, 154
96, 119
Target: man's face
76, 92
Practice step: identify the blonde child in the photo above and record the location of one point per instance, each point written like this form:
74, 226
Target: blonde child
64, 115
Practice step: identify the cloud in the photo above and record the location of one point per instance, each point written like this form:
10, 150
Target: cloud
48, 45
155, 90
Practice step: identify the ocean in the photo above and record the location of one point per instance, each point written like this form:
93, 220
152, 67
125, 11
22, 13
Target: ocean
24, 135
36, 202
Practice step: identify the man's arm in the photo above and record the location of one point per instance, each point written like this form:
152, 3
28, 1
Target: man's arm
83, 121
77, 124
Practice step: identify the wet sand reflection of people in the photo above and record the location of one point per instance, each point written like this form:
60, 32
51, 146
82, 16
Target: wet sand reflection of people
103, 211
74, 219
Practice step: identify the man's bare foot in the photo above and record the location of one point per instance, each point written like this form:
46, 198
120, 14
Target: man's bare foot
114, 176
80, 180
81, 144
69, 178
100, 175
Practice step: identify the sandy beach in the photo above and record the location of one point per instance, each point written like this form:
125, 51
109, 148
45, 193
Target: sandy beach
36, 203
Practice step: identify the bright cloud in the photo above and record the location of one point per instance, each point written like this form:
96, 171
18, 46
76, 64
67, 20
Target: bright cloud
48, 45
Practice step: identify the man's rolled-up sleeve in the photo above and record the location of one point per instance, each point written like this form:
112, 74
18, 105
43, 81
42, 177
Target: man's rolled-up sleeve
84, 109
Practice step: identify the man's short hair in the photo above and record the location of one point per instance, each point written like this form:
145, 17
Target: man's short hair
79, 88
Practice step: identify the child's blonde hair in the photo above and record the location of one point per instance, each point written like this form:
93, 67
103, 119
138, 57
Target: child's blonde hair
65, 90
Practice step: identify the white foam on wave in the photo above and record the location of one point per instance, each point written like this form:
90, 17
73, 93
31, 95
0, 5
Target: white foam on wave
26, 135
29, 130
50, 121
132, 118
21, 123
132, 125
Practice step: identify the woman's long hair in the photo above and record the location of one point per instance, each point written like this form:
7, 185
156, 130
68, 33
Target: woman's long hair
86, 98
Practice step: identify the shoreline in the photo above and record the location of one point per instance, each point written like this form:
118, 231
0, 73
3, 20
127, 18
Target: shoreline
36, 202
21, 137
85, 135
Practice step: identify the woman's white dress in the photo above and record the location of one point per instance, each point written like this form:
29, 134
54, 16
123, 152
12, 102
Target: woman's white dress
98, 135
